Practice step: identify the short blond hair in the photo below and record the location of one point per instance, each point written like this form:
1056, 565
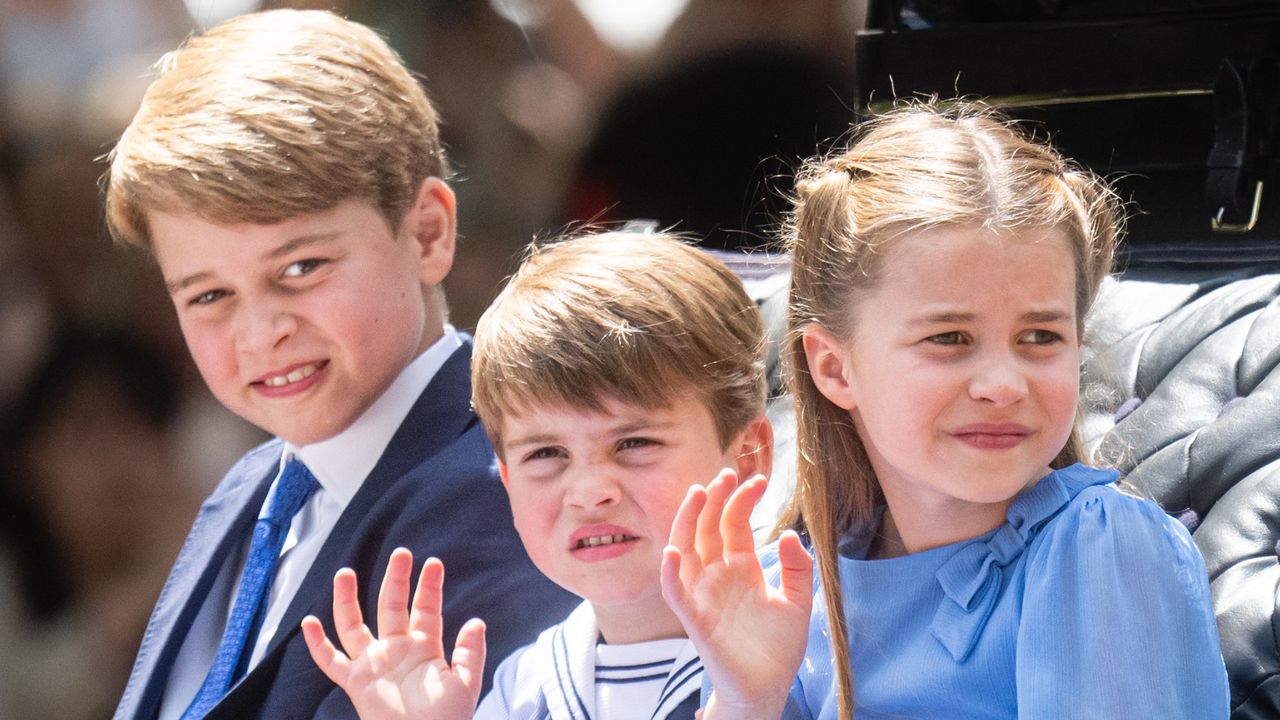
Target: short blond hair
273, 115
638, 318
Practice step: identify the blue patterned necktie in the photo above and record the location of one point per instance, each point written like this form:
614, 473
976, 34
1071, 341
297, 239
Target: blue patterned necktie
295, 485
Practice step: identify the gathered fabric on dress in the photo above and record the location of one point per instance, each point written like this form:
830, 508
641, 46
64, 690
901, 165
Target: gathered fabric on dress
1086, 602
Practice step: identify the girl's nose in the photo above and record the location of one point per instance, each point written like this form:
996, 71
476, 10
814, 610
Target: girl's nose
999, 380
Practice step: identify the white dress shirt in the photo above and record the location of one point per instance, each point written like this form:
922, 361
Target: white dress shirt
340, 465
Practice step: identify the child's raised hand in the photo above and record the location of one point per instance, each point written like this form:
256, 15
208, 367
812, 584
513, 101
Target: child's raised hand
402, 674
751, 637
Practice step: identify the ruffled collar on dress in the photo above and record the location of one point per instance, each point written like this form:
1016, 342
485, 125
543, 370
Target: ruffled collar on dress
971, 578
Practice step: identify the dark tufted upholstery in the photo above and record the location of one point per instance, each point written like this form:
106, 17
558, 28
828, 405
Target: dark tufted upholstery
1182, 393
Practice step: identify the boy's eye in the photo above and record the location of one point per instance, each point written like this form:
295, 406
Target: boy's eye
301, 267
1040, 337
636, 442
544, 453
954, 337
208, 297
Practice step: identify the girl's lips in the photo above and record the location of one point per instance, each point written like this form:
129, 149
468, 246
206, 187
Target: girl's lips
992, 436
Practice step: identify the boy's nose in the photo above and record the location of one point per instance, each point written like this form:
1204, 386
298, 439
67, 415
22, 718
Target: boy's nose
591, 488
999, 379
263, 326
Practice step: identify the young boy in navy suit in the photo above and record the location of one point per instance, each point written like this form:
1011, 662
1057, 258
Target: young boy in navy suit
615, 374
286, 173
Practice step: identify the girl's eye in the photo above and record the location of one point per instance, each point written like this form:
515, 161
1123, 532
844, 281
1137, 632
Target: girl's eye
302, 267
208, 297
1041, 337
947, 338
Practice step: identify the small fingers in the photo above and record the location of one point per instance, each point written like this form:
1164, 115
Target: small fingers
393, 597
797, 570
708, 541
673, 589
684, 527
328, 658
468, 656
428, 604
347, 618
735, 523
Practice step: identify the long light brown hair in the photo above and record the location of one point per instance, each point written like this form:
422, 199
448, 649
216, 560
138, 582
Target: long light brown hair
922, 165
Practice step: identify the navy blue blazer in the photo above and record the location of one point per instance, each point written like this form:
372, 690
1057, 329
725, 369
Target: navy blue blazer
435, 490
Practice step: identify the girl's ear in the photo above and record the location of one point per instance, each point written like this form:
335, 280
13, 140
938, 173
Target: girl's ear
502, 473
828, 362
753, 449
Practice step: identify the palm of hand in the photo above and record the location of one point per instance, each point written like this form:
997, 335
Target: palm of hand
403, 674
751, 637
401, 677
751, 628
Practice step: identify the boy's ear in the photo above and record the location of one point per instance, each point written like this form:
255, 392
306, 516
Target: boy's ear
828, 362
502, 473
753, 449
432, 223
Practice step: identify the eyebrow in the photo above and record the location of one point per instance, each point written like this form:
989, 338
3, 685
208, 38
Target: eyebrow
299, 242
950, 318
176, 286
549, 438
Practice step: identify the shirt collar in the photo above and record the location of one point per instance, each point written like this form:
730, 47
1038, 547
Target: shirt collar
341, 463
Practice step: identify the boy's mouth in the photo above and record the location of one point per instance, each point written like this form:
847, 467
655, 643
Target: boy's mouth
294, 375
600, 536
597, 540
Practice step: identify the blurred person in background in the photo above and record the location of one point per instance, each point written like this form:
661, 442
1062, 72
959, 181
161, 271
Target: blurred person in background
86, 415
706, 137
82, 452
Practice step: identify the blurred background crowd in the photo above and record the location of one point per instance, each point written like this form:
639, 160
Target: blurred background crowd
690, 113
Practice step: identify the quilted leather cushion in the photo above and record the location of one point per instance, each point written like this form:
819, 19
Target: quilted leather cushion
1182, 394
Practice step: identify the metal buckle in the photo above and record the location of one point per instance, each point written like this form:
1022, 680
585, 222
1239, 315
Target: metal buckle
1219, 226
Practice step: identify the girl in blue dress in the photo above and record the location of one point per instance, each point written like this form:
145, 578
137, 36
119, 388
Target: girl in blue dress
942, 268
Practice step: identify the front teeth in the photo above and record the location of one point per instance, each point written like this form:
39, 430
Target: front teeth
601, 540
301, 373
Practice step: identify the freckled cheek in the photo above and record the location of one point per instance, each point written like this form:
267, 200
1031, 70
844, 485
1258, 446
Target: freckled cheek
214, 355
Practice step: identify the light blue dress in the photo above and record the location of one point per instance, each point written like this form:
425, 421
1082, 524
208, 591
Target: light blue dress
1086, 603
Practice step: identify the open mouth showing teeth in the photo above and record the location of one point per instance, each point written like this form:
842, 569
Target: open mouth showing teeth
600, 540
301, 373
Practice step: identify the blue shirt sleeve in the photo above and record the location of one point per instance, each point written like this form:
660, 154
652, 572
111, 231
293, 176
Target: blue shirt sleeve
1117, 619
497, 703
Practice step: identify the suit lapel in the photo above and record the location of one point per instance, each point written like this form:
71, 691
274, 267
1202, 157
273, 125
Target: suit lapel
441, 413
220, 527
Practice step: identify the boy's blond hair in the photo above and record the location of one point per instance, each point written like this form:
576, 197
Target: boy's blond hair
273, 115
638, 318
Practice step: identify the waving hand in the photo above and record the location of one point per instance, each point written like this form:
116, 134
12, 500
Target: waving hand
751, 636
402, 674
